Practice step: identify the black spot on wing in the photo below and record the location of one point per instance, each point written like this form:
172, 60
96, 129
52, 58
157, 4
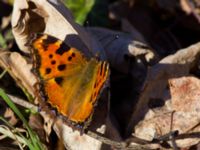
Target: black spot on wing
45, 46
73, 54
59, 80
48, 70
62, 49
50, 40
53, 62
50, 56
47, 41
69, 58
61, 67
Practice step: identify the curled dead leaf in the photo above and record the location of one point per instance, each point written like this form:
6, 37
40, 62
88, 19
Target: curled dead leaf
53, 18
160, 119
119, 47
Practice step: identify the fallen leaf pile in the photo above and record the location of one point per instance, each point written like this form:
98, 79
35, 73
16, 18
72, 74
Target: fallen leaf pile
153, 48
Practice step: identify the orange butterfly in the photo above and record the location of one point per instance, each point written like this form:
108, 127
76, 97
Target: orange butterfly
68, 81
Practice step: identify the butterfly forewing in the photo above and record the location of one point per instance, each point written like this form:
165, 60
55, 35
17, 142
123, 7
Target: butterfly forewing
55, 58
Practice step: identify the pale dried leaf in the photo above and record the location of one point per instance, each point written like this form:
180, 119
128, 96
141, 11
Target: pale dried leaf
191, 8
74, 140
118, 46
5, 22
185, 6
50, 17
9, 114
23, 102
171, 66
184, 98
185, 93
48, 123
36, 123
161, 125
11, 134
21, 70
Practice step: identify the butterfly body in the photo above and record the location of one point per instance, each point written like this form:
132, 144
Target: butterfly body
70, 82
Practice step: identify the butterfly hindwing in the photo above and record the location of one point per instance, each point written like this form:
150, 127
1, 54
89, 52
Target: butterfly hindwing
81, 110
70, 82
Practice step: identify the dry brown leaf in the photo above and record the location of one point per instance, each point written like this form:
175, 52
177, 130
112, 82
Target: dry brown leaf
185, 118
184, 5
5, 22
127, 56
36, 123
9, 114
157, 119
185, 93
191, 7
50, 17
118, 46
155, 87
161, 125
19, 69
73, 140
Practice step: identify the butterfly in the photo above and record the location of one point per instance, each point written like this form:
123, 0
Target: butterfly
68, 81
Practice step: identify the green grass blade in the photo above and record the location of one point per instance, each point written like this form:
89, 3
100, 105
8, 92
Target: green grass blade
2, 41
33, 137
3, 73
80, 8
20, 137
